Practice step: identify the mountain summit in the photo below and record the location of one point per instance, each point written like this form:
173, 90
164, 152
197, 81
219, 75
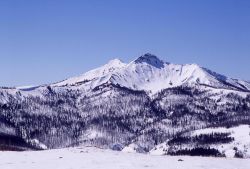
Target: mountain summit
150, 59
115, 63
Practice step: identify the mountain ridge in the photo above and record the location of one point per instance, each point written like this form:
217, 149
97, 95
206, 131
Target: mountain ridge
114, 67
121, 73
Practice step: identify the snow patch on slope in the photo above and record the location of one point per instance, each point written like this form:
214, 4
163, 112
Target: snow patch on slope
160, 149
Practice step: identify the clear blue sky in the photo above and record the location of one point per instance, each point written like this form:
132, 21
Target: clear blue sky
43, 41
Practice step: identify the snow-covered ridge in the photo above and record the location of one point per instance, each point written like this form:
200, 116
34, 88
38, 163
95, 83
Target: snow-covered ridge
101, 72
151, 74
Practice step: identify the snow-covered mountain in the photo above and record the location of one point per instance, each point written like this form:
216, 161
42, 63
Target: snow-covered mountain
151, 74
137, 106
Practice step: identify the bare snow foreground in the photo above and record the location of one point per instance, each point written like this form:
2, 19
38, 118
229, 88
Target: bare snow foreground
93, 158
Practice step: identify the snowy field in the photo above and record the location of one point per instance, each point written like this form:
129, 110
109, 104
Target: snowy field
93, 158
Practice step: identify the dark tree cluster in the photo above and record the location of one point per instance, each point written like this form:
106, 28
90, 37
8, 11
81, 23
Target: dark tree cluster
202, 139
197, 152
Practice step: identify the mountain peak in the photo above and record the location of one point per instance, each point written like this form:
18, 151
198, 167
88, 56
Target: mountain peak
151, 60
115, 63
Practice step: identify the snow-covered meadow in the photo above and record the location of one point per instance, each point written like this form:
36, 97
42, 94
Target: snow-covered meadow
93, 158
